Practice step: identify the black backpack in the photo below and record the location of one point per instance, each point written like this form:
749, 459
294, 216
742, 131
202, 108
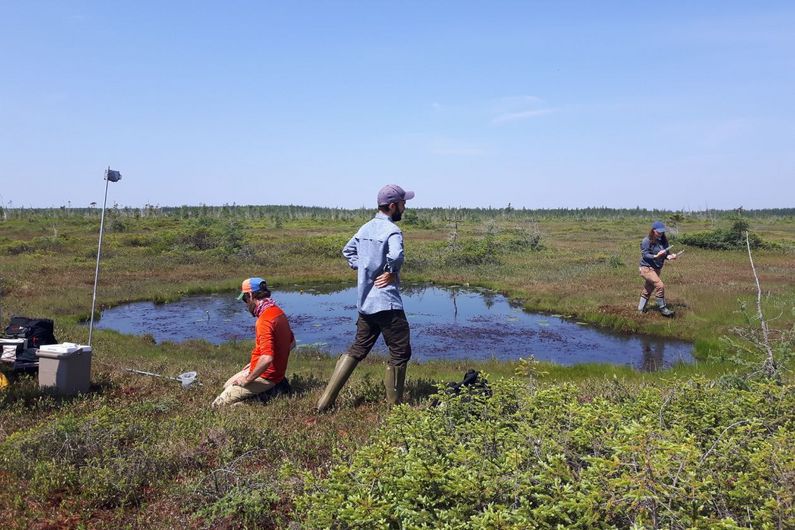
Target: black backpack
473, 382
38, 331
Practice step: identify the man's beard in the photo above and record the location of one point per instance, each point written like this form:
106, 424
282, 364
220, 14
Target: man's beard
397, 216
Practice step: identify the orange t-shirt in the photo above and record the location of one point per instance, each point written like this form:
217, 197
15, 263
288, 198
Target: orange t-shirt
274, 338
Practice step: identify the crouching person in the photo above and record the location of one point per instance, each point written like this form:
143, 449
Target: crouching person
274, 341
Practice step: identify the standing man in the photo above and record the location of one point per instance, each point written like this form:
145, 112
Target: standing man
274, 340
376, 253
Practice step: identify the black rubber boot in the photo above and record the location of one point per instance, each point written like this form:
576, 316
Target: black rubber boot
342, 371
394, 379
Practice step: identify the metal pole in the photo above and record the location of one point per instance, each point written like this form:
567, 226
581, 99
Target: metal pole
99, 251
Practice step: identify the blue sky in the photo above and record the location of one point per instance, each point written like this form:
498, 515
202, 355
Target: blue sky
680, 105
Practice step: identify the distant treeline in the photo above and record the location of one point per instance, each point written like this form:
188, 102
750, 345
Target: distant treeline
292, 212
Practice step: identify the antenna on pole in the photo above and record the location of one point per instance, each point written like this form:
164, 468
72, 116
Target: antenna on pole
110, 176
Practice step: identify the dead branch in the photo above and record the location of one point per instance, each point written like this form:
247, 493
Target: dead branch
718, 439
664, 405
769, 366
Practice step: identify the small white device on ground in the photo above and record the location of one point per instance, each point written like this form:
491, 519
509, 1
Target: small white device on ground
187, 379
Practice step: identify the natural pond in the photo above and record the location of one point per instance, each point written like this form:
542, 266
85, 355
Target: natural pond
446, 323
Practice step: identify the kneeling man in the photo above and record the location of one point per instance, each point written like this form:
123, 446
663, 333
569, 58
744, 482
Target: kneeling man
274, 341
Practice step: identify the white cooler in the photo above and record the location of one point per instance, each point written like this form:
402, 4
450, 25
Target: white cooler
66, 367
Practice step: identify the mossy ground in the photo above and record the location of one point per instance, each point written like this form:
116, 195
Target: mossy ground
140, 451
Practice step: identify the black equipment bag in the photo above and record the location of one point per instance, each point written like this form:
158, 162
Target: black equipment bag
473, 382
38, 331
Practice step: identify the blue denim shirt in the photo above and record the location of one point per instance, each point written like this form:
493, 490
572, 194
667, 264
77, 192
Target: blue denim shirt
376, 247
648, 250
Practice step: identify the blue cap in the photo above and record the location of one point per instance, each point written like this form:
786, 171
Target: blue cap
252, 285
658, 225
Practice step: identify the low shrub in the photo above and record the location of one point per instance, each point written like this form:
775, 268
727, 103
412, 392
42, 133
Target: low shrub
37, 244
327, 246
249, 506
412, 218
489, 248
483, 251
704, 455
106, 455
528, 238
724, 238
223, 237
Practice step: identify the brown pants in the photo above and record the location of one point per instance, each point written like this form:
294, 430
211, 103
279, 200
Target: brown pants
395, 328
653, 283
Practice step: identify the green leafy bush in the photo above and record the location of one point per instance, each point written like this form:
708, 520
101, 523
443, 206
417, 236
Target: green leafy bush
704, 455
327, 246
527, 238
483, 251
37, 244
204, 234
411, 218
118, 224
724, 238
246, 505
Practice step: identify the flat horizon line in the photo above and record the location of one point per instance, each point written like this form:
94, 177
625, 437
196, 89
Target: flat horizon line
508, 208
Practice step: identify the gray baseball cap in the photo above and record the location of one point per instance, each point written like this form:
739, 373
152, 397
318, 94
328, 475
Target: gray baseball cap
393, 193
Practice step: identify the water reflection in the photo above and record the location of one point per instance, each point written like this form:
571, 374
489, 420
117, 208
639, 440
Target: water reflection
653, 353
447, 323
453, 293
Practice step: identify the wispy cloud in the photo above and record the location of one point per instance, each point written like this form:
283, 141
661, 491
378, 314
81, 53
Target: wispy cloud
518, 116
519, 108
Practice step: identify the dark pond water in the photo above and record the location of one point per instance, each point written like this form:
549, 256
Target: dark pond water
446, 323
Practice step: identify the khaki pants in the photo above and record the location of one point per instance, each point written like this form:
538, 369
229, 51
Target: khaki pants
653, 283
235, 394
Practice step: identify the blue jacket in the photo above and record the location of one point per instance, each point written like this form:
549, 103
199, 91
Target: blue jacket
377, 247
648, 250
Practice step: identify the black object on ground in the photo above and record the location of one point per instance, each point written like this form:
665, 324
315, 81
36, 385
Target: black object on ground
282, 388
34, 332
38, 331
472, 383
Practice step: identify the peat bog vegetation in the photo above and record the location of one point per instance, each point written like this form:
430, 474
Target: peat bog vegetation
710, 445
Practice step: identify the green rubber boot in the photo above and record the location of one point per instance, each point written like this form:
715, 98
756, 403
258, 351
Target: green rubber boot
394, 378
343, 370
